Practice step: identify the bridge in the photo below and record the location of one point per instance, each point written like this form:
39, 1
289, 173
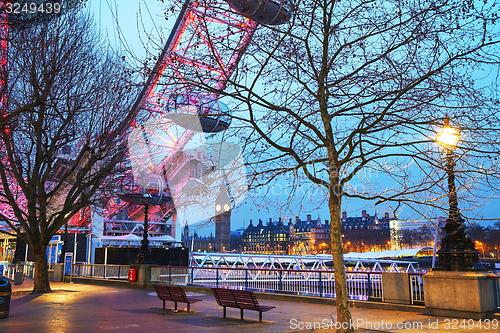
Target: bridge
355, 262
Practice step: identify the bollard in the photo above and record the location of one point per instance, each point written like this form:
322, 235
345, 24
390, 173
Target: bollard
5, 292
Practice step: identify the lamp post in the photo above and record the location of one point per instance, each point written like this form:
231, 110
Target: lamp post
64, 246
145, 256
457, 252
148, 190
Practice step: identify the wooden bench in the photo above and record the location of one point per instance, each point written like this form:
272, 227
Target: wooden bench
239, 299
174, 294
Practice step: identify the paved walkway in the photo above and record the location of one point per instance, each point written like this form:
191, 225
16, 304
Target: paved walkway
78, 308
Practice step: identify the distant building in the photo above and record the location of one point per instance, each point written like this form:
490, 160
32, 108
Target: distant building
411, 234
365, 221
197, 243
236, 242
309, 236
272, 238
312, 236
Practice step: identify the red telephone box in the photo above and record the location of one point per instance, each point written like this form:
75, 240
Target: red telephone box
132, 274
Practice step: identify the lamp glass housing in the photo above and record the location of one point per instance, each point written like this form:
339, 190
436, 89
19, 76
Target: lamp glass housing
448, 137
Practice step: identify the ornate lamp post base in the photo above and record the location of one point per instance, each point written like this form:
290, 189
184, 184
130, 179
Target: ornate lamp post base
459, 260
458, 252
145, 257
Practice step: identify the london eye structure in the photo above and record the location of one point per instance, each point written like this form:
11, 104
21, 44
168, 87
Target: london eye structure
179, 102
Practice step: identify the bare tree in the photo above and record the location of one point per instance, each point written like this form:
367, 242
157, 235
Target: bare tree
65, 118
349, 90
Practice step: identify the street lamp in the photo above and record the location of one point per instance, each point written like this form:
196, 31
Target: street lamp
64, 245
145, 190
457, 252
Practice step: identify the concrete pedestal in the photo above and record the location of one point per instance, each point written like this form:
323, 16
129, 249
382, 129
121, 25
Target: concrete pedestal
460, 294
58, 274
396, 288
18, 278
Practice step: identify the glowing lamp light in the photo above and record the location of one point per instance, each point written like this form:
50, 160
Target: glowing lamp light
448, 137
218, 208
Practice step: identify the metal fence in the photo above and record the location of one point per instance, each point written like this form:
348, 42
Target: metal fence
417, 288
360, 285
496, 290
27, 268
9, 271
116, 272
173, 275
363, 285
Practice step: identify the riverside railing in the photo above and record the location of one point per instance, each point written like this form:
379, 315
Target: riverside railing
116, 272
361, 285
496, 290
417, 288
10, 270
27, 268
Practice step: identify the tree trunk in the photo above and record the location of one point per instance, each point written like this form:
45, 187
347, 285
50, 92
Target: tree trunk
344, 319
41, 281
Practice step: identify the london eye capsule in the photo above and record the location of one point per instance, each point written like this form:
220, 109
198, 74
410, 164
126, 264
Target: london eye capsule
191, 110
144, 189
269, 12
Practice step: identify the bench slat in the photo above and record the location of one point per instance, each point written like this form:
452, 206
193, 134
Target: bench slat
174, 294
240, 299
